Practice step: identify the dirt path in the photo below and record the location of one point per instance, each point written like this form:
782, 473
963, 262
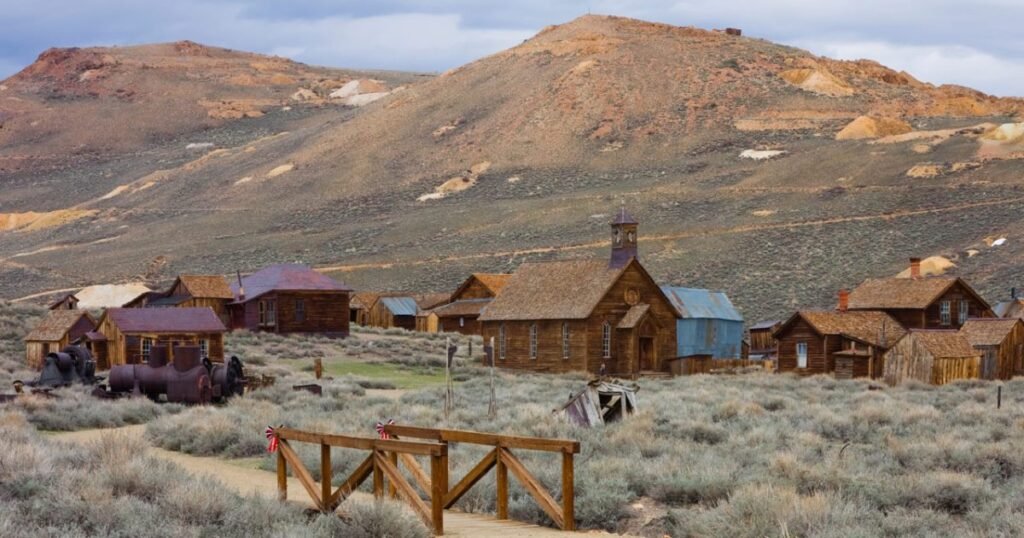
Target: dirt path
235, 474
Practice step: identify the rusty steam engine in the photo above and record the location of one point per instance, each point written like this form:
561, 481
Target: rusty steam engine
189, 378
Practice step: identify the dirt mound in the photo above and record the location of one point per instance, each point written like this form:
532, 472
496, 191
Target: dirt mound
32, 221
866, 127
109, 295
931, 266
817, 80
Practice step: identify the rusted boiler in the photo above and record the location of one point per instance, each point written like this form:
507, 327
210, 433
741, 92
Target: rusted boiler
189, 379
74, 364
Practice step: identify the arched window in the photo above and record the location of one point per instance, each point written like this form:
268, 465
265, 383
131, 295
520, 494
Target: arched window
533, 341
606, 340
565, 340
501, 341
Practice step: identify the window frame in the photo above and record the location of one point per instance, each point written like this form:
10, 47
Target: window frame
963, 310
566, 341
204, 348
534, 343
945, 312
300, 310
606, 340
801, 358
146, 347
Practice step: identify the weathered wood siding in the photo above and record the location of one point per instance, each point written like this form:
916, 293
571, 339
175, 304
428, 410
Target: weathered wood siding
931, 317
817, 357
761, 340
380, 316
910, 360
1005, 360
326, 312
475, 290
125, 348
470, 325
549, 345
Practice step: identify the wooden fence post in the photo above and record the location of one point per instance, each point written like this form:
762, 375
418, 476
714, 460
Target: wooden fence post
378, 480
325, 474
438, 490
282, 477
392, 489
568, 493
501, 474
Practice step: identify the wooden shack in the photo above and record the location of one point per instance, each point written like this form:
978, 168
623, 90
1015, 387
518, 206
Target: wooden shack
709, 326
1001, 344
932, 356
763, 345
594, 315
57, 329
461, 312
918, 302
811, 342
67, 302
130, 333
394, 311
290, 298
359, 307
190, 291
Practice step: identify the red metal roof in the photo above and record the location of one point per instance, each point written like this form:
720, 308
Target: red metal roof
165, 320
286, 277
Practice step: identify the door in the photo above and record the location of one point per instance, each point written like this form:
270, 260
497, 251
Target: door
988, 364
646, 353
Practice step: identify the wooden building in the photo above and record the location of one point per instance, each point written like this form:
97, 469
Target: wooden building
932, 356
763, 344
1010, 308
461, 313
67, 302
290, 298
190, 291
401, 310
359, 307
709, 326
1001, 344
584, 315
57, 329
847, 343
130, 333
935, 302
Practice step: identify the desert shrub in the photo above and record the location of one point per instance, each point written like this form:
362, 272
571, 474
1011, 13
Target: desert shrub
73, 408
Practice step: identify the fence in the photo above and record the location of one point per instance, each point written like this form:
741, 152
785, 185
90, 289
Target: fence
707, 365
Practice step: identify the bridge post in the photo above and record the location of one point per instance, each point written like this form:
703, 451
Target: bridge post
282, 477
438, 490
392, 489
501, 474
568, 492
326, 473
378, 479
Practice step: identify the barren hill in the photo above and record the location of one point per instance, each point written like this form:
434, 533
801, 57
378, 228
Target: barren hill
725, 147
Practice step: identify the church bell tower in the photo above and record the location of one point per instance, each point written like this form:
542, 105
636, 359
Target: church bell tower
624, 238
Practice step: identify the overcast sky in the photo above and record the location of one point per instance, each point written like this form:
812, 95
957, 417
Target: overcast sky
977, 43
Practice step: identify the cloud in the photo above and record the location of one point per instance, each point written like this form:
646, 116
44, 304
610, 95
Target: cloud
939, 41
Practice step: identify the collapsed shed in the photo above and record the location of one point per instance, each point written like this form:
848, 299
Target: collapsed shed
599, 403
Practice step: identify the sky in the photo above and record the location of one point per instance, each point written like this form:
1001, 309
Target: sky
975, 43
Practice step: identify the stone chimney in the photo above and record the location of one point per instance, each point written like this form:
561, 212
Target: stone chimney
915, 268
844, 300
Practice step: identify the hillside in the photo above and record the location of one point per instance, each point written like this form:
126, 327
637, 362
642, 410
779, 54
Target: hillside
756, 168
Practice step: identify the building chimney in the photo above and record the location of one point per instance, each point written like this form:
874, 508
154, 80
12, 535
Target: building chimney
915, 268
844, 300
241, 288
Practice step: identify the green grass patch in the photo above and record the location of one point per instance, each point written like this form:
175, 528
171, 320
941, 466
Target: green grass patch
401, 377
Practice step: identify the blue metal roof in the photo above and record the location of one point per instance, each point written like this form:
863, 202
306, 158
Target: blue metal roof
694, 303
400, 306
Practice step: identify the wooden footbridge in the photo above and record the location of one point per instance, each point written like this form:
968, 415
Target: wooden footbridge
387, 455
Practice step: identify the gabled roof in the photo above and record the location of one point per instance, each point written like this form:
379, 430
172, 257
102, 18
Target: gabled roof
944, 344
363, 299
465, 307
623, 217
695, 303
165, 320
286, 277
988, 331
910, 293
206, 286
633, 316
866, 326
400, 306
494, 282
63, 298
146, 295
553, 290
55, 324
426, 301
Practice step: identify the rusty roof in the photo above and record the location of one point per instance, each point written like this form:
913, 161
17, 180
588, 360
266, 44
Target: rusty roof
988, 331
465, 307
55, 324
165, 320
866, 326
553, 290
944, 344
912, 293
494, 282
207, 286
633, 316
286, 277
63, 298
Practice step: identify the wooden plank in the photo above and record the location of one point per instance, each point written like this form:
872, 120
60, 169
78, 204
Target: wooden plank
363, 443
418, 474
282, 476
438, 470
358, 476
489, 439
392, 487
325, 474
471, 478
403, 488
532, 486
300, 472
568, 492
378, 477
501, 478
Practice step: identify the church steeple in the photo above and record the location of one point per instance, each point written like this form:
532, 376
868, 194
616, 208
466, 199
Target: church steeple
624, 238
